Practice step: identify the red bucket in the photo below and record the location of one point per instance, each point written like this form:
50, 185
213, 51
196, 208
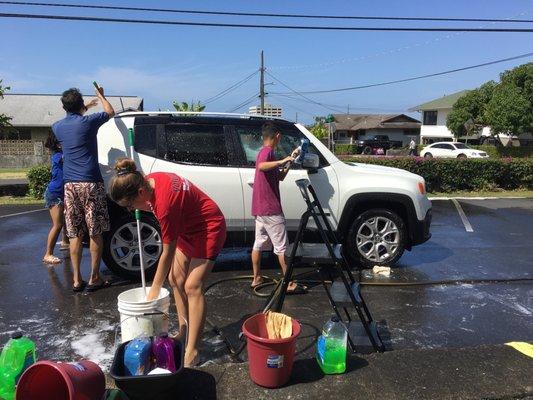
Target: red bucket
44, 380
270, 360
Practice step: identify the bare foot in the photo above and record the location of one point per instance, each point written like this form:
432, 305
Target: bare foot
192, 357
51, 259
256, 282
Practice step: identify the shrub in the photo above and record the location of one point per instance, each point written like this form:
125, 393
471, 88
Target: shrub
448, 175
38, 178
345, 149
500, 151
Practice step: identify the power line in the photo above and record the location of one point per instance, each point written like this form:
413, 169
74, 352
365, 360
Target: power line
352, 108
229, 89
292, 27
305, 97
244, 103
412, 78
354, 17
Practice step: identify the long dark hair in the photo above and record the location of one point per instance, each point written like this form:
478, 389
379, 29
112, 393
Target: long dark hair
52, 143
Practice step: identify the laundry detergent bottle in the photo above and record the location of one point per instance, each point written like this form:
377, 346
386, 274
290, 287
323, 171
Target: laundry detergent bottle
163, 351
331, 347
17, 355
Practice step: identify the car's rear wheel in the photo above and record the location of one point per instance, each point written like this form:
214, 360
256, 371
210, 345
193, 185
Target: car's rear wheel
376, 237
461, 156
121, 250
428, 155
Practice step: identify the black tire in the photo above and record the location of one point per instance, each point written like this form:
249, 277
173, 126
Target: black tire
124, 260
461, 156
367, 150
357, 258
428, 155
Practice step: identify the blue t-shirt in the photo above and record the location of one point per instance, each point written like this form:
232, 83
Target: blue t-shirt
77, 135
55, 186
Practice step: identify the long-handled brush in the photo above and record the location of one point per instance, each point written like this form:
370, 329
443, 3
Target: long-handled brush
138, 219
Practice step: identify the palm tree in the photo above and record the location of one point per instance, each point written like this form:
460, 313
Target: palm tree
192, 106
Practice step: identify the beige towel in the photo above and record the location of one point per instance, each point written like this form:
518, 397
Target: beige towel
279, 326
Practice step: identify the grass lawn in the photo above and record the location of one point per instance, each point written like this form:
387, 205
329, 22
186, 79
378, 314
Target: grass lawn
11, 200
13, 173
504, 193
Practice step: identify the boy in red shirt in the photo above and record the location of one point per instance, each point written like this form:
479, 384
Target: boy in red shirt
193, 231
270, 230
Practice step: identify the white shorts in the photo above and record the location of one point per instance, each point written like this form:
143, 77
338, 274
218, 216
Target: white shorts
270, 231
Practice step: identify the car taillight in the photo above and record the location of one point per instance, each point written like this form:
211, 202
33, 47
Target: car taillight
421, 187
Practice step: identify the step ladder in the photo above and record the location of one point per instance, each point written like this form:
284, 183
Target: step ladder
343, 293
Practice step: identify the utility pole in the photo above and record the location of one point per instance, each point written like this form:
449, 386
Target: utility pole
348, 109
296, 117
262, 85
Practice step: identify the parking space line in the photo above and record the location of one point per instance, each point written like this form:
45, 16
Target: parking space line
22, 213
462, 214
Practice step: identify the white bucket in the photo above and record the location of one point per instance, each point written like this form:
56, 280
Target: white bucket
132, 306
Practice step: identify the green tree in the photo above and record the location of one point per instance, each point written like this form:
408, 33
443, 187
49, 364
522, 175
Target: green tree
506, 107
319, 128
192, 106
510, 110
471, 105
5, 124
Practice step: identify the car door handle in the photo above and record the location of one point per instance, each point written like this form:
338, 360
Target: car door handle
250, 183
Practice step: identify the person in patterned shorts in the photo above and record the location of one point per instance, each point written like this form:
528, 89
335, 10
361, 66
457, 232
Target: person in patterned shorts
85, 195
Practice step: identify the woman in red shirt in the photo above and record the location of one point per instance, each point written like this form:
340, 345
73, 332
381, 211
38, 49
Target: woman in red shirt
193, 232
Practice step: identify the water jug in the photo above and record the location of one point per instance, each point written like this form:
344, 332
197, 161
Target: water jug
331, 347
163, 351
17, 355
137, 356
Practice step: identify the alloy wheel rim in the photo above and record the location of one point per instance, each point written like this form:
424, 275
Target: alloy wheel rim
124, 246
378, 239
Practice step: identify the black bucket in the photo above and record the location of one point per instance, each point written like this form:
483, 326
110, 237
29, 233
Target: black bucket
146, 387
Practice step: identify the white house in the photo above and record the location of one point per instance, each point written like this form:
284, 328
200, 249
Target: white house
434, 114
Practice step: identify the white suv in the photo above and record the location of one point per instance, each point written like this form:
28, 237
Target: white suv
378, 211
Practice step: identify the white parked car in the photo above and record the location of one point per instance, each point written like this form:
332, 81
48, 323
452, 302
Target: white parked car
451, 150
378, 212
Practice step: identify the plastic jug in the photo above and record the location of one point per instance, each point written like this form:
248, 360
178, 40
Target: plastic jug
331, 347
137, 356
163, 351
17, 355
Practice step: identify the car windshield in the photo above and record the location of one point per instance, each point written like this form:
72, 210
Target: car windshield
461, 146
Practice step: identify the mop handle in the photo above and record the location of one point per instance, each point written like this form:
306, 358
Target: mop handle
138, 218
141, 258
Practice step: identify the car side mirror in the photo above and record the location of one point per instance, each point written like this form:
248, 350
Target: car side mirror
311, 161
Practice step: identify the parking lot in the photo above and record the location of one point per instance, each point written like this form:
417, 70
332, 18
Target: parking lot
476, 273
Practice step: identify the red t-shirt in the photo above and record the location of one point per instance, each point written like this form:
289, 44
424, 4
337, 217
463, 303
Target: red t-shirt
188, 216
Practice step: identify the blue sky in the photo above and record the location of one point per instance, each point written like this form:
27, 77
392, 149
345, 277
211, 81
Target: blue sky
166, 63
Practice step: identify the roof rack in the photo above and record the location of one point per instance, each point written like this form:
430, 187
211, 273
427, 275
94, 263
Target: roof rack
199, 113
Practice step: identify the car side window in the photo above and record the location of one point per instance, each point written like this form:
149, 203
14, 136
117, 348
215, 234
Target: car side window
196, 144
150, 139
447, 147
252, 141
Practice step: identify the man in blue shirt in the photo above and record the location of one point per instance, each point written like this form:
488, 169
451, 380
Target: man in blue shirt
85, 196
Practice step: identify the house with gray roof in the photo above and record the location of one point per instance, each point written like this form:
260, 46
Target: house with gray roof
348, 128
32, 116
434, 114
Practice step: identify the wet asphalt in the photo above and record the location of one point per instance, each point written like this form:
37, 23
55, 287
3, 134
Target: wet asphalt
460, 312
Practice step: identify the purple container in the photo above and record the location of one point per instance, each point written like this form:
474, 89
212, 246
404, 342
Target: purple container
163, 351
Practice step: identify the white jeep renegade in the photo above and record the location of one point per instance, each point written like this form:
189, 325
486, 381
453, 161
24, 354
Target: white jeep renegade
378, 212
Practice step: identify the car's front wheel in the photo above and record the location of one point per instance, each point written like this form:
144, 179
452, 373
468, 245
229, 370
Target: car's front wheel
376, 237
428, 155
121, 250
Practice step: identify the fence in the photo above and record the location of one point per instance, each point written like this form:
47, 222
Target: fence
18, 148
